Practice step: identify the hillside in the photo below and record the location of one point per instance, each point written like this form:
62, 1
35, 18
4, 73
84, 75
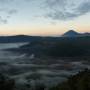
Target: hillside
63, 47
81, 81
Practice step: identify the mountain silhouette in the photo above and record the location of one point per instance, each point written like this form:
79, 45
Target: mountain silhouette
27, 38
71, 33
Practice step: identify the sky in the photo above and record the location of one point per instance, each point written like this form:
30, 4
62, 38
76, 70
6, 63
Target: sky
44, 17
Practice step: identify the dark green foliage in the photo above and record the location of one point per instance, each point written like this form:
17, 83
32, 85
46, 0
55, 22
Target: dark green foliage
81, 81
66, 49
40, 87
6, 83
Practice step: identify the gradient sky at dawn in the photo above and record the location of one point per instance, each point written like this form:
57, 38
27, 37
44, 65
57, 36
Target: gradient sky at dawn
44, 17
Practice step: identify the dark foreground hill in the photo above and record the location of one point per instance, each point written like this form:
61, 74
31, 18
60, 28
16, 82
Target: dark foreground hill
62, 47
81, 81
6, 83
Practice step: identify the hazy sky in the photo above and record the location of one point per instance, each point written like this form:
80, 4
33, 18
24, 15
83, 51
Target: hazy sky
44, 17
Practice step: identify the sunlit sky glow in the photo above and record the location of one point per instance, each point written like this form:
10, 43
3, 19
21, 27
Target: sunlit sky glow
44, 17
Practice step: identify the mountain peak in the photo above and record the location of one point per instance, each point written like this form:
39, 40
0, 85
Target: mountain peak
70, 33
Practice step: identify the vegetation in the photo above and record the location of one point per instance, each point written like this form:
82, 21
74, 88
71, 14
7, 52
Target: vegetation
67, 49
81, 81
6, 83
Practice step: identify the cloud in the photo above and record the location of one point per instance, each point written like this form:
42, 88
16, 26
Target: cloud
6, 1
12, 11
3, 21
6, 14
6, 10
66, 9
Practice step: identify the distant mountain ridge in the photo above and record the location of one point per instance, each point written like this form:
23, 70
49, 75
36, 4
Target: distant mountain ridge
27, 38
18, 38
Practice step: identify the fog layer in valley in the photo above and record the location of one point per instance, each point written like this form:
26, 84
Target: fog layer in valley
28, 69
